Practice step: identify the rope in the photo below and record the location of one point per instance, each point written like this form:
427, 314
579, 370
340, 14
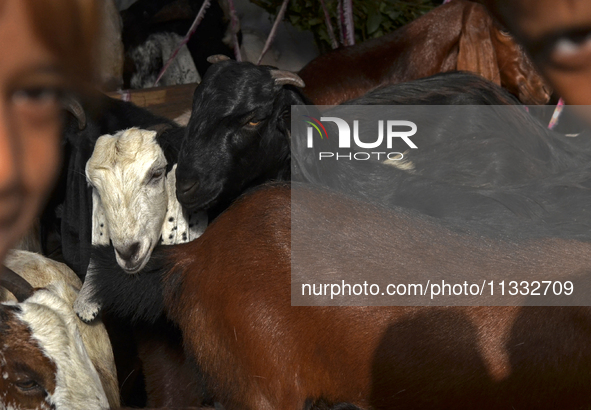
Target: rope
234, 28
556, 116
273, 32
185, 40
333, 40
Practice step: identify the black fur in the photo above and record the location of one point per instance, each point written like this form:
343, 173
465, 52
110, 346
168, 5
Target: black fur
224, 155
481, 162
137, 297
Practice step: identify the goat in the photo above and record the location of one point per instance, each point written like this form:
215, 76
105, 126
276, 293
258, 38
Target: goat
146, 18
66, 223
68, 217
460, 35
135, 209
241, 138
134, 203
49, 359
49, 356
229, 292
224, 156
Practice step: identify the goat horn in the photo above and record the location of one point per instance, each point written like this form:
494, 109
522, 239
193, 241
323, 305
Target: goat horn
73, 106
159, 128
287, 77
217, 58
13, 282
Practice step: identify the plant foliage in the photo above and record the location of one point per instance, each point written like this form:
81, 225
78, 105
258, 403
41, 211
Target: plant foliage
372, 18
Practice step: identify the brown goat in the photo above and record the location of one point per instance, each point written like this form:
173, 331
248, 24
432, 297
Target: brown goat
229, 292
460, 35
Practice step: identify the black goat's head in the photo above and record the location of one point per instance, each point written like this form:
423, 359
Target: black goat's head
238, 135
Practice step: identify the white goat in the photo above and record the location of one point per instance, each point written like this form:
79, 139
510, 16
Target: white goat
79, 372
134, 204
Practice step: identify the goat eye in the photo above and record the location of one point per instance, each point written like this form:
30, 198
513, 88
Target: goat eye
252, 124
157, 175
28, 385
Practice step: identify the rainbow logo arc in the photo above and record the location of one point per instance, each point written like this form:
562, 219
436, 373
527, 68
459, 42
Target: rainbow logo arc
316, 126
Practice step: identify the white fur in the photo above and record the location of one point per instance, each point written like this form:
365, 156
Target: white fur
119, 171
129, 207
41, 272
54, 326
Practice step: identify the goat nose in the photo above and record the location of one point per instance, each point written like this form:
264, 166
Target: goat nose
130, 252
186, 186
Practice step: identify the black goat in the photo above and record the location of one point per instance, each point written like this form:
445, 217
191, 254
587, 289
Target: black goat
241, 138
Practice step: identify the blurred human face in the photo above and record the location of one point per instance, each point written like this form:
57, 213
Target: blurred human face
557, 34
29, 123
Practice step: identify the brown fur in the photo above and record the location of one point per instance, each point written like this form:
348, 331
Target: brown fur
21, 359
170, 378
459, 35
41, 272
230, 294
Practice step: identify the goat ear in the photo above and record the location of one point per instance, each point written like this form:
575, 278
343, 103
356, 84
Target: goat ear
159, 128
73, 106
287, 77
476, 51
179, 225
100, 228
18, 286
217, 58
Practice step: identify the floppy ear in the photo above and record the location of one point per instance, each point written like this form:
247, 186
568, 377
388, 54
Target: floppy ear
100, 230
476, 51
179, 226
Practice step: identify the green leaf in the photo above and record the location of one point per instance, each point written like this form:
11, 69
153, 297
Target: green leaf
394, 15
373, 21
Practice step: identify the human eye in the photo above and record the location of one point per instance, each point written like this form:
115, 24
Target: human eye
36, 103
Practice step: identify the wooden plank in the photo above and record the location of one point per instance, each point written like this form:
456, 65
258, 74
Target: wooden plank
169, 102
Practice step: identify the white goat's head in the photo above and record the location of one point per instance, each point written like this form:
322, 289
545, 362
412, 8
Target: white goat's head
128, 174
43, 361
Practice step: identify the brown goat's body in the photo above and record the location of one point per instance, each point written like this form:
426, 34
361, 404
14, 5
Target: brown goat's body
230, 294
460, 35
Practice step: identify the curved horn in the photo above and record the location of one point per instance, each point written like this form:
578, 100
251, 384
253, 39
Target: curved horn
73, 106
287, 77
217, 58
14, 283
